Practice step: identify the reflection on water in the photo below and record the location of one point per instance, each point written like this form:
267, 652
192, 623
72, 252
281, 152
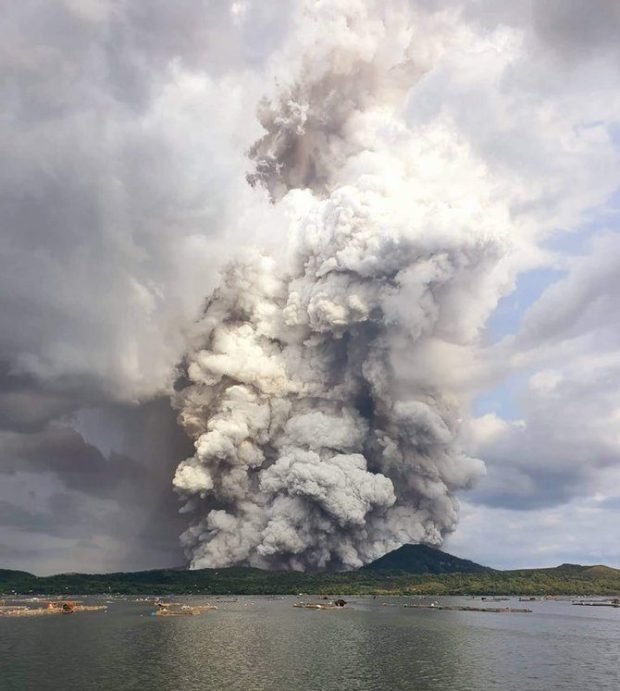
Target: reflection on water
264, 644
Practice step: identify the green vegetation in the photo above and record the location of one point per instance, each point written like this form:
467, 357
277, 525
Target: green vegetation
433, 573
424, 559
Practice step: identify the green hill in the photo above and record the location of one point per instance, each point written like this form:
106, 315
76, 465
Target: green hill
410, 570
600, 571
424, 559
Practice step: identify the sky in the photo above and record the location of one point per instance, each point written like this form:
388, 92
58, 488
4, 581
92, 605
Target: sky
125, 134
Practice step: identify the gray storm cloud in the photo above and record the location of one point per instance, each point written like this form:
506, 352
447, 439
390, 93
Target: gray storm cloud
320, 438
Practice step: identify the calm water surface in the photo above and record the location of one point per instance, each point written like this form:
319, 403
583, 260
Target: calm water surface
260, 643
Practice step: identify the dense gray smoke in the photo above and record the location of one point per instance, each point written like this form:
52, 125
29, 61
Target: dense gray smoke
319, 390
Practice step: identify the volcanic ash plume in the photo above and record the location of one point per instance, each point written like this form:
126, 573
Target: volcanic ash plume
318, 393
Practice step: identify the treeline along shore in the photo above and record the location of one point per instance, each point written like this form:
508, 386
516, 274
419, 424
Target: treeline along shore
411, 570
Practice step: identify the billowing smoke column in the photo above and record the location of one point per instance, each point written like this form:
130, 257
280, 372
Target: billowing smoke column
326, 433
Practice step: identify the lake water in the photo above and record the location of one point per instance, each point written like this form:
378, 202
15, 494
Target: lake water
257, 644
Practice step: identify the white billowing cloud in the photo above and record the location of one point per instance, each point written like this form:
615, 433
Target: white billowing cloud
418, 154
340, 485
317, 345
405, 232
411, 211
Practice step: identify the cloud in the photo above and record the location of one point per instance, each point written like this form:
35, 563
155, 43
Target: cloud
568, 430
114, 196
580, 531
123, 192
581, 310
421, 173
576, 28
104, 510
124, 140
